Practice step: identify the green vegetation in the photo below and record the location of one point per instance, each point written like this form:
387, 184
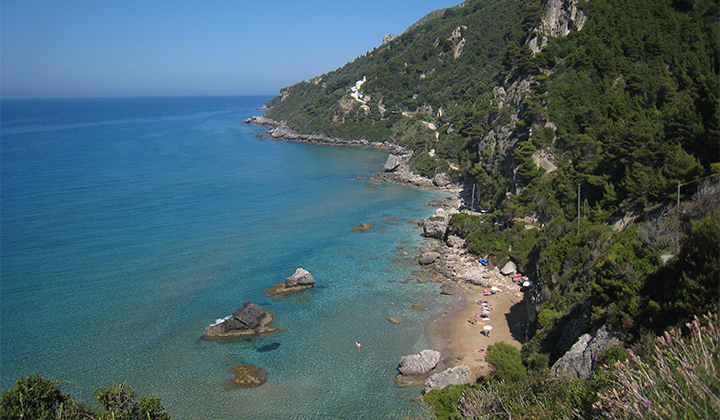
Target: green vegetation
680, 380
627, 110
34, 397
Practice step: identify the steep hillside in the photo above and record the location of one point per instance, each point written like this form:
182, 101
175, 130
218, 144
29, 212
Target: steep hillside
598, 121
416, 89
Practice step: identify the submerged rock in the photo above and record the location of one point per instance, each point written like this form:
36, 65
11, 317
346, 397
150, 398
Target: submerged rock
396, 319
247, 376
248, 321
362, 227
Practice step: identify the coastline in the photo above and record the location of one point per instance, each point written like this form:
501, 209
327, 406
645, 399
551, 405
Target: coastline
450, 332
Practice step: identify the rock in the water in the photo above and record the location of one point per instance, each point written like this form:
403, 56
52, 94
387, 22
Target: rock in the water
299, 281
362, 227
419, 364
396, 319
582, 357
392, 162
458, 375
435, 227
250, 320
248, 317
246, 375
509, 269
418, 307
428, 257
301, 277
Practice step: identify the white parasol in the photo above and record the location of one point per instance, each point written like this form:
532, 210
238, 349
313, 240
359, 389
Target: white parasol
487, 327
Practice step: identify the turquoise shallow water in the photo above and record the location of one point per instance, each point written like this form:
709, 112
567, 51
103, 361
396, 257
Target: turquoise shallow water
130, 225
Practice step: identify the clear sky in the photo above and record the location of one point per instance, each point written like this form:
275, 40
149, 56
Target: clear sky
52, 48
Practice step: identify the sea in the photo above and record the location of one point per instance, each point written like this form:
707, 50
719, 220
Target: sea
129, 225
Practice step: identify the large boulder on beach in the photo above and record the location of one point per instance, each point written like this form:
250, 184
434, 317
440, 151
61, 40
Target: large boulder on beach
441, 180
458, 375
392, 162
301, 277
435, 227
509, 269
451, 289
428, 257
419, 364
249, 320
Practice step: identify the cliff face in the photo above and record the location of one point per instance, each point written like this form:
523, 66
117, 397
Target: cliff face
560, 18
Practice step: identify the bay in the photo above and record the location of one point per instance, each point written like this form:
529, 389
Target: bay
131, 224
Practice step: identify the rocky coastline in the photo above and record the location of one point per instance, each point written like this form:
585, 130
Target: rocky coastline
443, 259
396, 168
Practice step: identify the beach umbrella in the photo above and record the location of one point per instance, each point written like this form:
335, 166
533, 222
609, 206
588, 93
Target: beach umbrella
487, 327
494, 288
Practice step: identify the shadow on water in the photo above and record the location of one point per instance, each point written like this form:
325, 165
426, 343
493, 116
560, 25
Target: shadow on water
268, 347
517, 321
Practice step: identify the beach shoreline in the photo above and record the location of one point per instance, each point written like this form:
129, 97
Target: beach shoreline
456, 331
450, 332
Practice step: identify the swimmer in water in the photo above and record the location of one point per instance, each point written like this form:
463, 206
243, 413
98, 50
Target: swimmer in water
357, 344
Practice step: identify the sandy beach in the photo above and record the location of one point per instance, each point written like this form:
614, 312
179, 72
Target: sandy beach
456, 332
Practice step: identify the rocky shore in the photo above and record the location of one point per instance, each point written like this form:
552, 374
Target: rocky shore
396, 169
457, 354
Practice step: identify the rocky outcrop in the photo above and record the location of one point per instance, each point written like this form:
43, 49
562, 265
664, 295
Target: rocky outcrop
249, 321
362, 227
392, 163
301, 277
561, 17
428, 257
584, 354
458, 375
247, 376
279, 130
442, 180
396, 319
435, 227
419, 364
299, 281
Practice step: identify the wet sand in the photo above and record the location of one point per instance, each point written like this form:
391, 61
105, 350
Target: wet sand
452, 333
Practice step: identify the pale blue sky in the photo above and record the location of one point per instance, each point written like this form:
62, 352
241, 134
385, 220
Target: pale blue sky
53, 48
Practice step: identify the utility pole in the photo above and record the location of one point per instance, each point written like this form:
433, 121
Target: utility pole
677, 220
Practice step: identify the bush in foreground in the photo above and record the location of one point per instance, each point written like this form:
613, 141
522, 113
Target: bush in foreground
35, 397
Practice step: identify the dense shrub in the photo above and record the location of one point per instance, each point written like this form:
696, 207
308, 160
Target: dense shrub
507, 362
34, 397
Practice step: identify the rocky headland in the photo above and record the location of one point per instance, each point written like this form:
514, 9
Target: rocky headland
396, 168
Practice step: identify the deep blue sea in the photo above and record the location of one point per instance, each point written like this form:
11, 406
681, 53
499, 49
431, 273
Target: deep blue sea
130, 225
